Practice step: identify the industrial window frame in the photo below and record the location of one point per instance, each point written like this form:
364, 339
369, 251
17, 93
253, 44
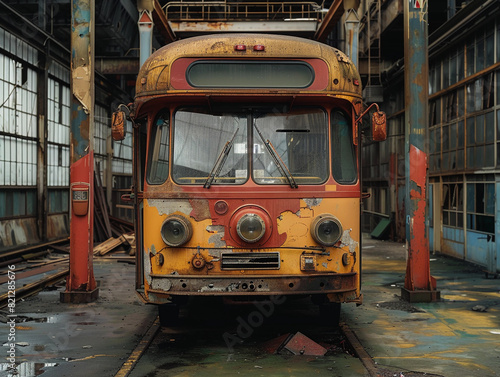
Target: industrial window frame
453, 204
480, 208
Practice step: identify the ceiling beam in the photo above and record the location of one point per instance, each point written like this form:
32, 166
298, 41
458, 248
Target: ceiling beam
117, 66
331, 18
304, 28
160, 20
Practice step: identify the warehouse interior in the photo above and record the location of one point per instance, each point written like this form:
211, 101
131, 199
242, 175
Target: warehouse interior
463, 126
441, 336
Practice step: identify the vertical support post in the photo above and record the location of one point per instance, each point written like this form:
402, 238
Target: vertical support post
42, 19
146, 34
420, 286
42, 199
352, 35
81, 285
496, 241
109, 171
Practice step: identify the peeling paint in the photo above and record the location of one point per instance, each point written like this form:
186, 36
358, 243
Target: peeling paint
168, 207
215, 253
147, 267
153, 250
218, 234
348, 241
81, 86
313, 202
305, 213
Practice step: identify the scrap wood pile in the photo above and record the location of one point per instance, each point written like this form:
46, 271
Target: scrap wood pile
112, 243
109, 232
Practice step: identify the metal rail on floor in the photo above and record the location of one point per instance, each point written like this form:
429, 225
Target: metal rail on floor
33, 288
139, 350
359, 350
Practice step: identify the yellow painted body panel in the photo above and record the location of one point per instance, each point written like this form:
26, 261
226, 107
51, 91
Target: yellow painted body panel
211, 238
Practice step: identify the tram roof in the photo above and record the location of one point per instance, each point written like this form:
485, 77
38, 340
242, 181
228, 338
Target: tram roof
154, 75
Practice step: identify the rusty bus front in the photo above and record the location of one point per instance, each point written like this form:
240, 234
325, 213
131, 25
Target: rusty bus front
246, 170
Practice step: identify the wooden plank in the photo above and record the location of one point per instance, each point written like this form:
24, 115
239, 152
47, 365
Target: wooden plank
108, 245
101, 199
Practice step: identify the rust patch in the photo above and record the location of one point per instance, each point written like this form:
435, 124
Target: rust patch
418, 181
418, 269
418, 172
201, 210
217, 46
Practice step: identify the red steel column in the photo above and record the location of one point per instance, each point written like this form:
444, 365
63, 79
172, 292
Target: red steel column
420, 286
81, 285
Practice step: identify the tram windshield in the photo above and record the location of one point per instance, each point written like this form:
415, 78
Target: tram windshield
266, 146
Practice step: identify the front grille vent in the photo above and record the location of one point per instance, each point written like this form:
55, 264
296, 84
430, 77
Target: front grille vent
250, 261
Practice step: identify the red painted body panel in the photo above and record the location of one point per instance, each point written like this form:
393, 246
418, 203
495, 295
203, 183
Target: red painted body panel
81, 242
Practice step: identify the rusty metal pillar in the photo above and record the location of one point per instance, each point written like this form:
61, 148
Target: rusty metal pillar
80, 284
420, 286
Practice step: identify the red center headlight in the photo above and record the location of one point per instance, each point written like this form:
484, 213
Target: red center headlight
251, 228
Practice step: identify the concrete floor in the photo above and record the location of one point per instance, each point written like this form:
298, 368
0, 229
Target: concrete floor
446, 338
453, 337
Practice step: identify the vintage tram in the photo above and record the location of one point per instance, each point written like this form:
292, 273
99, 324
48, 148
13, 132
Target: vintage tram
247, 170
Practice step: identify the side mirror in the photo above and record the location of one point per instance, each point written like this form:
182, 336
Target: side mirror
379, 123
118, 123
379, 126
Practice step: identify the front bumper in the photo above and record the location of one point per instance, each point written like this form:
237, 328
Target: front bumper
183, 285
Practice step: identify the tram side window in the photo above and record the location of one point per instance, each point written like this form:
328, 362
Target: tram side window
159, 150
343, 156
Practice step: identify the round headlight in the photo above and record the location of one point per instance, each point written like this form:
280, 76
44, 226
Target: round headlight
251, 228
326, 230
176, 230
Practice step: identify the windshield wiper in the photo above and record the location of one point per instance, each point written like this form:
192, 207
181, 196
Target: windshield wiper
219, 163
277, 160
